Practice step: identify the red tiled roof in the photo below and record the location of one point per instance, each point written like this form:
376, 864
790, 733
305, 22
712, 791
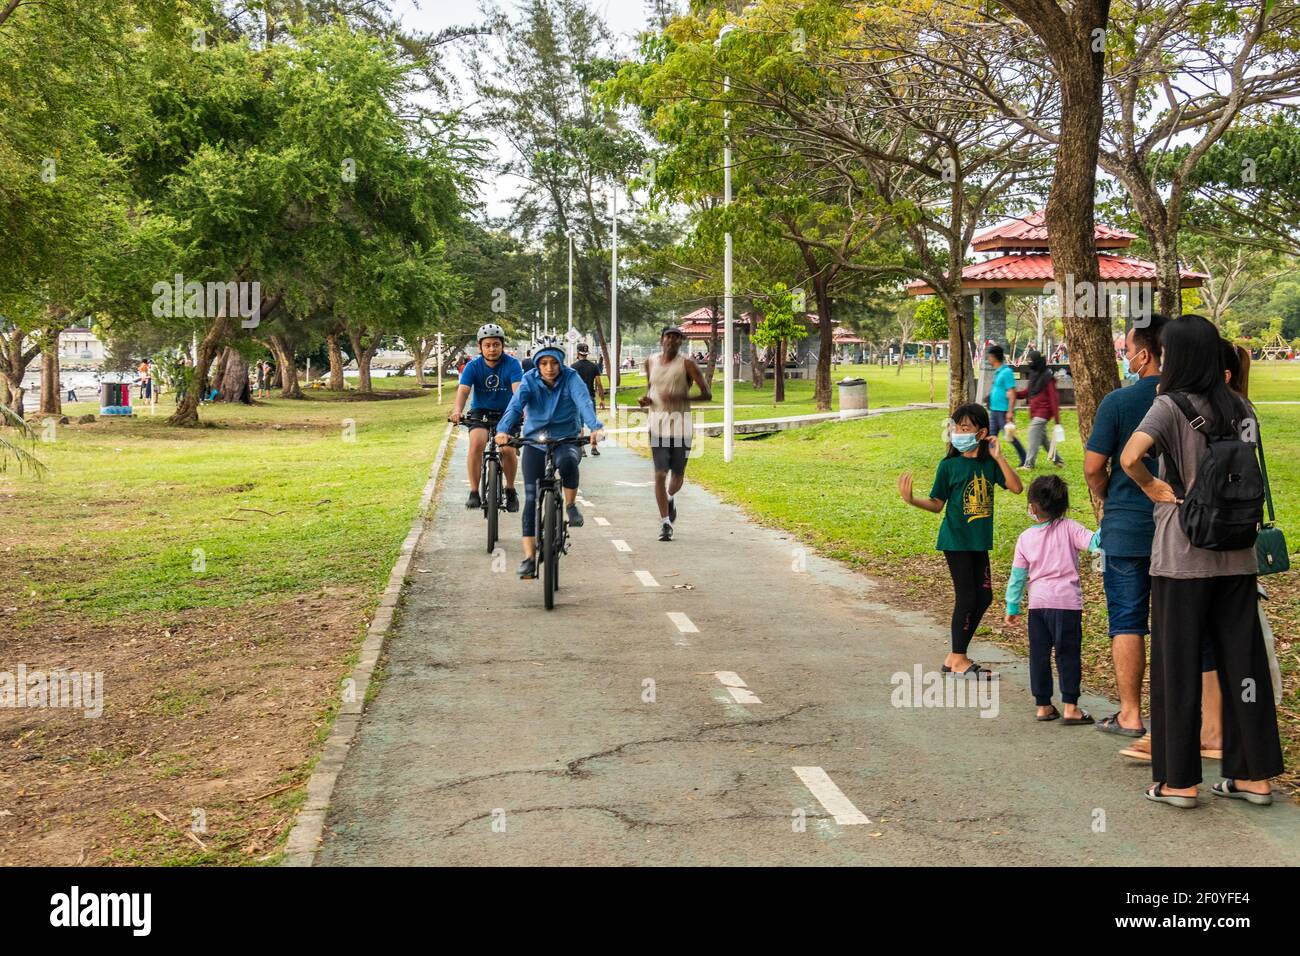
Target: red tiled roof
1030, 232
1026, 271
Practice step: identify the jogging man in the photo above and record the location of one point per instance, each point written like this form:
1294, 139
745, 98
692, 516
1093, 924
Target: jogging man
557, 406
668, 384
589, 372
494, 378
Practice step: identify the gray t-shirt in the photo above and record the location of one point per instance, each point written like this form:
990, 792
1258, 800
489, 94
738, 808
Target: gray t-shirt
1172, 555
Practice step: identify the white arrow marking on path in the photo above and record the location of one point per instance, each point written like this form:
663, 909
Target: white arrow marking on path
830, 796
620, 544
634, 484
603, 522
736, 687
646, 578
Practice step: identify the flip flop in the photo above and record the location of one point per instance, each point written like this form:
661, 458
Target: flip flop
1078, 721
1136, 754
1156, 792
1224, 788
1052, 716
1111, 725
974, 672
1211, 754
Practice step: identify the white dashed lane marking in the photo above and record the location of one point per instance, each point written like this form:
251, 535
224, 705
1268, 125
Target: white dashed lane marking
620, 544
646, 578
831, 797
603, 522
736, 687
684, 624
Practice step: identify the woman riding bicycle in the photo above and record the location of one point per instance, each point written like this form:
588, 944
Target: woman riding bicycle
557, 406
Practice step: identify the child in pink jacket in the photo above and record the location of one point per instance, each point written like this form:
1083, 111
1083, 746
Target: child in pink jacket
1047, 561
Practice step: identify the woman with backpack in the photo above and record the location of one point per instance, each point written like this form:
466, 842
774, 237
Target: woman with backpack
1208, 508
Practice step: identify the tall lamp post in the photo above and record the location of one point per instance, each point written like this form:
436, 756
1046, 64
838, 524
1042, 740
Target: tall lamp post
613, 311
728, 333
569, 233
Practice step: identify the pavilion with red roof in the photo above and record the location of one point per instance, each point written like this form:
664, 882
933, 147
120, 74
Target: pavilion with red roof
1022, 265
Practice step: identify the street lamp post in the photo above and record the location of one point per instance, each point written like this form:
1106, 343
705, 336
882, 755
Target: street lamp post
728, 333
570, 336
613, 312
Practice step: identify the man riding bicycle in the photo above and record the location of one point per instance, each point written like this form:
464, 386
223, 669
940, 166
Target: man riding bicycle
494, 378
557, 406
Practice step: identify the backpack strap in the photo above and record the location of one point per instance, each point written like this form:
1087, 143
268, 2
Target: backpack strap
1195, 421
1263, 469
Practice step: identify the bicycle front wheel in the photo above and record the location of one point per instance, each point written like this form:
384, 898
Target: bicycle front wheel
492, 501
550, 547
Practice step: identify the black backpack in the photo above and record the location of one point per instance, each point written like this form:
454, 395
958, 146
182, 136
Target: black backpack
1224, 509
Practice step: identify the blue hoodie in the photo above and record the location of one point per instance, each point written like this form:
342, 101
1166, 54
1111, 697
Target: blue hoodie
559, 410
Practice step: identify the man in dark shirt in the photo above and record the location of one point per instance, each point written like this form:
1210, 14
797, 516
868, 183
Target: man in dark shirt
1127, 526
589, 372
528, 364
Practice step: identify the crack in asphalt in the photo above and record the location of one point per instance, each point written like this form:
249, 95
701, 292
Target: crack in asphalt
629, 821
574, 767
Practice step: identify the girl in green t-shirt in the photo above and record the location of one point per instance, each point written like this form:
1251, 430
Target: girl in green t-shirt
963, 491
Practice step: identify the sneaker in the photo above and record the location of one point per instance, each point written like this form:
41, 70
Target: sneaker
575, 517
512, 500
527, 569
666, 531
474, 501
595, 451
672, 509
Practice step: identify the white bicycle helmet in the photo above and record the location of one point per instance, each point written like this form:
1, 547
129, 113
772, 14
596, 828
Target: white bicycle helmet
491, 331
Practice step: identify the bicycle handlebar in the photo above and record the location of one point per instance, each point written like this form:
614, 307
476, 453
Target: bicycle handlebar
572, 440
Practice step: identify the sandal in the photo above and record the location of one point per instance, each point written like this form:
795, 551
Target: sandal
1078, 721
1224, 788
974, 672
1111, 725
1052, 716
1156, 792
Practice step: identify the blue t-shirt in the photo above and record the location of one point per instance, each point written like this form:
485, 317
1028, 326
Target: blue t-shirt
1003, 379
1127, 526
493, 387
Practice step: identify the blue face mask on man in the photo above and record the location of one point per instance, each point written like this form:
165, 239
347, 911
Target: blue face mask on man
964, 441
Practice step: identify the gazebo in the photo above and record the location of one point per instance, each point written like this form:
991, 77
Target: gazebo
1021, 264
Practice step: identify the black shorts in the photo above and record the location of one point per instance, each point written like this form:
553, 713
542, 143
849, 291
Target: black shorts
668, 458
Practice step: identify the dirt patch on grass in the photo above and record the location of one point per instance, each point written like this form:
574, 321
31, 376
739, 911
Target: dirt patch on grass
211, 722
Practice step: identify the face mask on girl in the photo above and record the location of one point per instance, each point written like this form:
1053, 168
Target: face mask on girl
964, 441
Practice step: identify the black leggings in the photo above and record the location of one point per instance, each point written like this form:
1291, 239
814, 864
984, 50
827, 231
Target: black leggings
973, 583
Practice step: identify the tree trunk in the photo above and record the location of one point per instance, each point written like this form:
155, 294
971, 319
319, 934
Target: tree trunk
1070, 227
363, 355
825, 343
232, 386
961, 375
289, 387
51, 393
187, 408
336, 361
779, 395
713, 343
902, 350
422, 349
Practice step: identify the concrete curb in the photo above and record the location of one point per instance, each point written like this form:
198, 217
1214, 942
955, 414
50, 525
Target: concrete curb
309, 827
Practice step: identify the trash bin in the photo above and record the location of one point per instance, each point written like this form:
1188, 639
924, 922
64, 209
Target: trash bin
853, 397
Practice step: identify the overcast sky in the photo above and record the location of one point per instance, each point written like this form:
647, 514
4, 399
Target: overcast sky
626, 18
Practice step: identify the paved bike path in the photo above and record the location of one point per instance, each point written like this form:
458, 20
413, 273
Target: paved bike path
505, 734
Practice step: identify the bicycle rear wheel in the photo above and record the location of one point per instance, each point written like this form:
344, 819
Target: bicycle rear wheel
550, 548
492, 500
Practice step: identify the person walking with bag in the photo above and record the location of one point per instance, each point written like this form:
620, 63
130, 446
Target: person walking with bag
1208, 510
1044, 406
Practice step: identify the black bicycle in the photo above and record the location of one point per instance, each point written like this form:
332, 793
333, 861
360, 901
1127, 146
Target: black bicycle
491, 484
552, 525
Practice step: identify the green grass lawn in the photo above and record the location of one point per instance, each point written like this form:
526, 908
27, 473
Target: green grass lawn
127, 502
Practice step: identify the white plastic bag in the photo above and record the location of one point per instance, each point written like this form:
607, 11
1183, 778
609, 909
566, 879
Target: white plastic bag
1058, 435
